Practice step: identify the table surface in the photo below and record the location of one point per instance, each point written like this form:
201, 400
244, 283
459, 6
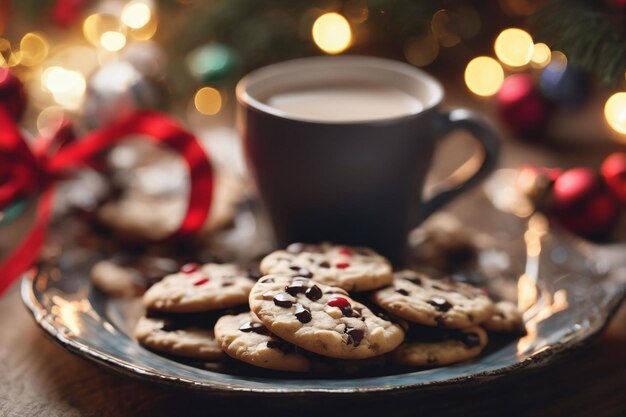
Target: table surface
37, 377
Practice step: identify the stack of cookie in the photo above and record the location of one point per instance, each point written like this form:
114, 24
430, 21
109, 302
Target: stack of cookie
320, 304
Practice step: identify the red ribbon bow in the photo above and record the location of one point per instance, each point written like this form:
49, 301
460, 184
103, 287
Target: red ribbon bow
25, 171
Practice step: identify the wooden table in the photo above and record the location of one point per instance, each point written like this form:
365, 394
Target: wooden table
38, 378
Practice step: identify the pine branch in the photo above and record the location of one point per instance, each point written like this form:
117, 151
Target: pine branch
582, 29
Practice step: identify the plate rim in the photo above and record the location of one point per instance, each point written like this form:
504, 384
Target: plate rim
551, 354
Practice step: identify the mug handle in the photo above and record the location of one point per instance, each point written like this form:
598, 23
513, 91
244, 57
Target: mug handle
473, 170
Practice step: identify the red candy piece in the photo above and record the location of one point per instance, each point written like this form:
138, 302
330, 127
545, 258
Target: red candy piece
338, 302
345, 251
614, 173
201, 281
190, 268
342, 265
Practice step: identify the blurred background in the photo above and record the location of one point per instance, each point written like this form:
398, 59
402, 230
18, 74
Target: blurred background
549, 72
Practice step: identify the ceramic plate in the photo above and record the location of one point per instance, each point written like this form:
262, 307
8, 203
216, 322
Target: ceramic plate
566, 295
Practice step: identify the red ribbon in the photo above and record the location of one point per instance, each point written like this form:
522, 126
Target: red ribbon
25, 171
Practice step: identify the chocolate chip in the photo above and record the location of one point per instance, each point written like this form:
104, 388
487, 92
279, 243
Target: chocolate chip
347, 311
470, 340
295, 247
324, 264
471, 317
354, 336
302, 313
356, 312
253, 326
302, 272
415, 280
314, 293
266, 280
296, 287
227, 284
281, 345
402, 291
282, 299
441, 304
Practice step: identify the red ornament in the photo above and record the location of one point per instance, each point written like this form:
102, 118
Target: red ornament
522, 107
342, 265
338, 302
190, 268
64, 13
12, 95
583, 204
201, 281
614, 173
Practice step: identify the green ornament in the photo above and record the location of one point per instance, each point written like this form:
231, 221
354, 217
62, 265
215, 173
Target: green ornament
212, 62
13, 211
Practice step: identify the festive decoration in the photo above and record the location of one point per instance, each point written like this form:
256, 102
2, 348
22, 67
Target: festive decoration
583, 204
565, 85
12, 95
521, 106
64, 13
27, 171
484, 76
614, 172
117, 90
212, 63
587, 33
615, 112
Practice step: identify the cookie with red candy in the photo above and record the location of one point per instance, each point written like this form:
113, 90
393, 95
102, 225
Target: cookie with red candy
321, 319
348, 267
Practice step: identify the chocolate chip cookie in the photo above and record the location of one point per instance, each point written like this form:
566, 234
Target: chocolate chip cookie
321, 318
454, 346
199, 288
506, 318
419, 299
245, 338
180, 338
351, 268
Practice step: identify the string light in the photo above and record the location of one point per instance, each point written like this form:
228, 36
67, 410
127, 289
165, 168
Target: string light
514, 47
484, 76
421, 51
208, 101
67, 86
34, 48
541, 56
615, 112
96, 25
331, 33
112, 41
136, 14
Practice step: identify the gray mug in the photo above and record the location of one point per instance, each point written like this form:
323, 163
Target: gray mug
355, 182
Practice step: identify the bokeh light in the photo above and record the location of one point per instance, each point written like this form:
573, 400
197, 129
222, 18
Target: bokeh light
441, 27
34, 48
66, 86
208, 101
112, 41
615, 112
514, 47
421, 51
136, 14
96, 25
331, 33
541, 56
484, 76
